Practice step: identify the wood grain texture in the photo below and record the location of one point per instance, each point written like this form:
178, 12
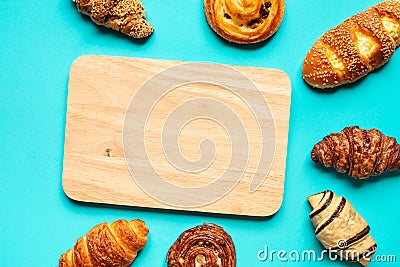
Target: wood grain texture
95, 168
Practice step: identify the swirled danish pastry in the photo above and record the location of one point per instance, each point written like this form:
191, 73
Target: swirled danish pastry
340, 228
205, 245
244, 21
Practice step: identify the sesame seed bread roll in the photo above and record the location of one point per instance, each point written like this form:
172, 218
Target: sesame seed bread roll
356, 47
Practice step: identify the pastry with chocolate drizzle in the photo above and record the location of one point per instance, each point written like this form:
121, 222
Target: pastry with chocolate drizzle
244, 21
340, 228
206, 245
358, 153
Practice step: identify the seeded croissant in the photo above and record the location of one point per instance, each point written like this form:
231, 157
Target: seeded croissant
358, 153
340, 228
205, 245
356, 47
126, 16
111, 245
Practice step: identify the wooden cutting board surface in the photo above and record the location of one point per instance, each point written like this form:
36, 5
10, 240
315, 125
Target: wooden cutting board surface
176, 135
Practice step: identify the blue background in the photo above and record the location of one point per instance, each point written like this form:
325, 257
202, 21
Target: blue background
40, 40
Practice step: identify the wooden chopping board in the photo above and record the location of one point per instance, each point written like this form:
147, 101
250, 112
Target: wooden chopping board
176, 135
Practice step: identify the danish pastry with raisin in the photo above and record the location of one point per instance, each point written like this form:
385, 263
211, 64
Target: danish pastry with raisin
244, 21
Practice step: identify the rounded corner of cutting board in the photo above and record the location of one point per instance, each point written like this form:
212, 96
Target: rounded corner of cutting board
285, 76
278, 206
80, 58
69, 191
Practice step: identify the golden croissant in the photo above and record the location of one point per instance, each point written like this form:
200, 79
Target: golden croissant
111, 245
340, 228
126, 16
358, 153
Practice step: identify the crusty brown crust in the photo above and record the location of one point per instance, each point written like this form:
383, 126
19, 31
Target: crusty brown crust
356, 47
114, 245
207, 244
244, 25
358, 153
126, 16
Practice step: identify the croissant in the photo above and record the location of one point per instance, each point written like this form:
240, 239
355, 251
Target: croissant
340, 228
244, 21
356, 47
126, 16
358, 153
111, 245
205, 245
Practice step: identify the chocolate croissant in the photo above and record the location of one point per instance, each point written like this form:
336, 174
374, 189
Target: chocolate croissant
205, 245
244, 21
358, 153
340, 228
351, 50
112, 245
126, 16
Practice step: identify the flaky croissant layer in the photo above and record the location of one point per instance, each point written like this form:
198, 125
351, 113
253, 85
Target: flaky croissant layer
110, 245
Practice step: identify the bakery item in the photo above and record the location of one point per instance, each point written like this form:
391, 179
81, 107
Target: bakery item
358, 153
340, 228
244, 21
351, 50
126, 16
112, 245
205, 245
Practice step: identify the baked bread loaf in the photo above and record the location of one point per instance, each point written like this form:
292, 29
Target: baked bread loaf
244, 21
340, 228
351, 50
358, 153
205, 245
111, 245
126, 16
